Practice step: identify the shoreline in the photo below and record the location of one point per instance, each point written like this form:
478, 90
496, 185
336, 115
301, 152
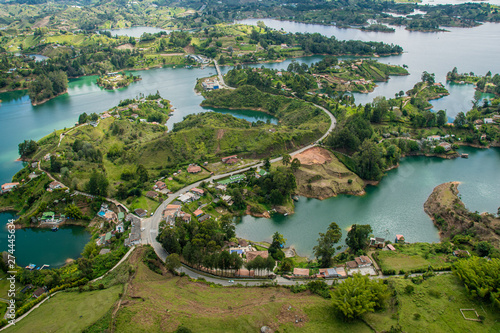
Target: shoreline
48, 99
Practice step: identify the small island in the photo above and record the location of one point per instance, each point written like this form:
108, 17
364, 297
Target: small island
116, 80
378, 28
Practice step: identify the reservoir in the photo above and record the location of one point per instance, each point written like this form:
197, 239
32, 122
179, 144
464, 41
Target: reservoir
44, 246
394, 206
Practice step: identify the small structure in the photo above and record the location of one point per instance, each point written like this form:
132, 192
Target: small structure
351, 264
301, 272
229, 158
170, 213
363, 261
108, 236
445, 145
198, 212
488, 120
194, 168
132, 218
186, 218
391, 247
135, 234
461, 253
377, 242
400, 239
328, 273
160, 185
39, 292
121, 216
186, 197
341, 271
7, 187
198, 191
152, 194
104, 251
140, 212
433, 138
110, 216
203, 218
120, 228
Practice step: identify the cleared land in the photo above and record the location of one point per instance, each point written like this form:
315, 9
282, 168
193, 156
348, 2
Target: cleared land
322, 175
413, 256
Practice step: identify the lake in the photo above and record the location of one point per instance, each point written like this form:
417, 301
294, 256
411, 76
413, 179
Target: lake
393, 207
44, 246
135, 31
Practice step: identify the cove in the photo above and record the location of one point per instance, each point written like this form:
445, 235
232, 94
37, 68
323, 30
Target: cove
395, 206
43, 246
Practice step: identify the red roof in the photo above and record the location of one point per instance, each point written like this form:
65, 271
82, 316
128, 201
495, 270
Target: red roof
301, 271
390, 247
194, 169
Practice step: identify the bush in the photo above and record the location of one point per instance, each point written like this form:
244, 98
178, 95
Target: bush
416, 316
409, 289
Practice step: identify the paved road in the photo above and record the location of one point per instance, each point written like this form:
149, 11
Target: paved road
150, 225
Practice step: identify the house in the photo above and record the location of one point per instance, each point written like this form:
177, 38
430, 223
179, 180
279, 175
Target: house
152, 194
198, 212
160, 185
301, 272
483, 137
251, 255
227, 158
194, 168
461, 253
186, 197
228, 199
496, 118
400, 239
7, 187
488, 120
135, 234
198, 191
351, 264
110, 216
231, 161
341, 271
185, 216
171, 212
39, 292
377, 242
478, 122
203, 218
140, 212
391, 247
328, 273
363, 261
132, 218
433, 138
210, 84
221, 187
445, 145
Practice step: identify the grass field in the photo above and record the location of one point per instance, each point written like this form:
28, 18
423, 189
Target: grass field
413, 256
438, 302
172, 302
69, 312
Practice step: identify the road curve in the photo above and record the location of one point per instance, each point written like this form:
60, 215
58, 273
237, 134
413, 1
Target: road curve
150, 225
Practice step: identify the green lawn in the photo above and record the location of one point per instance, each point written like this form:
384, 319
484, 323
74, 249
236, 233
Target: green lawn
69, 312
413, 256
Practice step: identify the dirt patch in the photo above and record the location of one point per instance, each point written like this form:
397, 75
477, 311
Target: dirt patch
42, 23
189, 49
127, 46
314, 155
290, 314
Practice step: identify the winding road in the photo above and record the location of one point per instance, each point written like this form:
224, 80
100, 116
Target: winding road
150, 225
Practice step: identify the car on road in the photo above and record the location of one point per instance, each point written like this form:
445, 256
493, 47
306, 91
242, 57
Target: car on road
142, 229
231, 281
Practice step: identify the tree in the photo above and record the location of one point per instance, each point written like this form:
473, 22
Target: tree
358, 295
173, 262
369, 163
460, 120
267, 164
325, 249
27, 148
357, 237
97, 184
276, 246
73, 211
286, 159
295, 164
442, 119
143, 173
428, 78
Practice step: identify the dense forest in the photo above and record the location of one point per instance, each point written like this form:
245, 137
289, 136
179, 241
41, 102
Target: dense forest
46, 86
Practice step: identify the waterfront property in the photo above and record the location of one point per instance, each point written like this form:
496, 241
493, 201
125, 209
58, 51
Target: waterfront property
7, 187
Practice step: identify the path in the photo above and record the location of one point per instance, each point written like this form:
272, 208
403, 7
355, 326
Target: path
118, 264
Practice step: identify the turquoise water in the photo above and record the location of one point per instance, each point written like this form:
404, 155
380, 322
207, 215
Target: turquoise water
44, 246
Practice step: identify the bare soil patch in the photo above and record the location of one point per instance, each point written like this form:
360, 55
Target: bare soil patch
314, 155
127, 46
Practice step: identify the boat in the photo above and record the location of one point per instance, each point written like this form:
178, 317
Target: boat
286, 214
30, 267
295, 198
464, 155
55, 229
